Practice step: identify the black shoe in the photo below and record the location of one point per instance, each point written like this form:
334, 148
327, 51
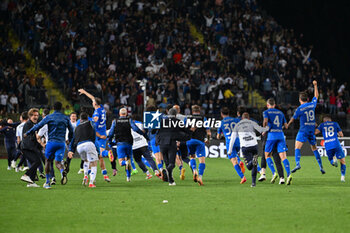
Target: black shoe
165, 175
36, 178
66, 166
42, 176
64, 178
53, 181
253, 185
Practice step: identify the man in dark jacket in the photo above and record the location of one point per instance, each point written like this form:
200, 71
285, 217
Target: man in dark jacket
167, 138
84, 143
10, 142
31, 148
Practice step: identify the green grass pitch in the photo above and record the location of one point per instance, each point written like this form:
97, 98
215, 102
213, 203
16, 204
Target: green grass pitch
313, 203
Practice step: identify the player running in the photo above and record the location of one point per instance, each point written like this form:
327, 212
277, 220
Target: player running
276, 120
227, 124
121, 132
245, 130
84, 143
306, 115
331, 131
196, 145
99, 118
57, 124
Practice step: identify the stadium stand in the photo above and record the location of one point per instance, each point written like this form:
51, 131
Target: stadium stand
215, 54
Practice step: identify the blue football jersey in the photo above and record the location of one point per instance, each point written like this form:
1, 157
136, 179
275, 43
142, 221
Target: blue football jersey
100, 124
330, 131
276, 120
306, 115
226, 127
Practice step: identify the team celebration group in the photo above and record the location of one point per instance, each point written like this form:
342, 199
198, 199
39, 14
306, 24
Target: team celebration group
157, 151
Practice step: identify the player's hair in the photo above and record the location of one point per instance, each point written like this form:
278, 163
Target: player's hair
46, 111
57, 106
73, 113
123, 111
84, 116
169, 107
327, 117
271, 102
225, 111
98, 101
32, 111
241, 110
196, 108
172, 112
177, 107
24, 115
245, 115
303, 96
151, 109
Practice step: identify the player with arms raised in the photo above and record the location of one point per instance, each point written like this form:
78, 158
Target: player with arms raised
99, 118
331, 131
306, 115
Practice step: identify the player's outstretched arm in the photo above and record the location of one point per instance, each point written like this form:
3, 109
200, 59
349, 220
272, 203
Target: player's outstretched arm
315, 89
83, 92
290, 122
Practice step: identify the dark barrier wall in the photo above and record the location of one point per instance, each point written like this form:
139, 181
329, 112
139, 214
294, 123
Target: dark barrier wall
217, 148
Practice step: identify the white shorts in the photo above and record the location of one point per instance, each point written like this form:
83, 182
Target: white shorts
87, 151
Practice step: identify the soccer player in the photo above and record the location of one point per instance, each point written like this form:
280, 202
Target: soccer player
99, 118
331, 131
73, 117
57, 124
196, 145
19, 132
245, 130
306, 115
121, 132
84, 143
227, 124
43, 137
155, 148
139, 149
275, 120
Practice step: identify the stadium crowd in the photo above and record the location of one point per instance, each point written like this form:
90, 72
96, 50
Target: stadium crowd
105, 46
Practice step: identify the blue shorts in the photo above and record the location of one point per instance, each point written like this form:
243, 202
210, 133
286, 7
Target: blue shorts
280, 143
309, 136
124, 150
196, 147
100, 143
154, 148
235, 150
55, 150
338, 152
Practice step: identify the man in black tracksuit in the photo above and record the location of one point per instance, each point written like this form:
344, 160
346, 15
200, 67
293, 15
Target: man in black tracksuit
31, 147
166, 138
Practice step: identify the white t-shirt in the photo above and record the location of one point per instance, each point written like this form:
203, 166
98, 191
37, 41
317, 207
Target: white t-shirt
139, 140
19, 130
44, 132
245, 130
74, 126
3, 99
13, 100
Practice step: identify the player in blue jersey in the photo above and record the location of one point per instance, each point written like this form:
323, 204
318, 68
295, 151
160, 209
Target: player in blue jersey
331, 131
227, 124
99, 117
276, 120
57, 123
306, 115
153, 147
